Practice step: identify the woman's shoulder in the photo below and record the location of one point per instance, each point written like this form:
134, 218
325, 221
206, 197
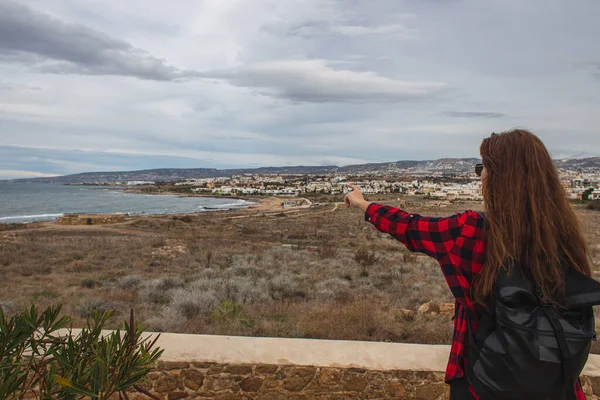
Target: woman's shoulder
473, 223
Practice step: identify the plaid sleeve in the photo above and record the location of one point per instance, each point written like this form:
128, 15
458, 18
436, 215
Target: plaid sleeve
432, 236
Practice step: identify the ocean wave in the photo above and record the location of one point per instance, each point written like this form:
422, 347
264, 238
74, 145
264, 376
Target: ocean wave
241, 203
38, 216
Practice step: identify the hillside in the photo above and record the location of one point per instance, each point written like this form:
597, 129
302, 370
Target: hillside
407, 167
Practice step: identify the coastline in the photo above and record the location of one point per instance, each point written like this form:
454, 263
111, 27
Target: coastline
255, 205
258, 203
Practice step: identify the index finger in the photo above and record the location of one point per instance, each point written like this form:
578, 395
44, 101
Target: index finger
354, 187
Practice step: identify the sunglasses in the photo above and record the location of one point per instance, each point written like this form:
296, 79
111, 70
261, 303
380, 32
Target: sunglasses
478, 169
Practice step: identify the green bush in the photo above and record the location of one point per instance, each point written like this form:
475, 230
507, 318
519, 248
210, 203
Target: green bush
37, 358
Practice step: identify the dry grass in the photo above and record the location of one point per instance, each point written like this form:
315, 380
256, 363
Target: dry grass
594, 205
319, 274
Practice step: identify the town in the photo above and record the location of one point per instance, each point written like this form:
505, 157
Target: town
460, 186
443, 179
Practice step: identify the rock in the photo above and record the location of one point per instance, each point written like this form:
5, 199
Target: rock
219, 383
330, 376
297, 378
203, 365
447, 308
153, 375
432, 391
230, 396
171, 365
595, 381
271, 396
407, 315
193, 379
429, 308
166, 383
214, 370
355, 383
238, 369
177, 395
251, 384
266, 369
395, 390
271, 383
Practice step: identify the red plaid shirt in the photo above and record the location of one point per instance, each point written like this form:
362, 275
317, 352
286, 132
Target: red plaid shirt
457, 243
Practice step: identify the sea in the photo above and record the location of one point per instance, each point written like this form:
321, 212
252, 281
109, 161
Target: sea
31, 202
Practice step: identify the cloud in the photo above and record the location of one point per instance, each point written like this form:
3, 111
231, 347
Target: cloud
359, 30
56, 162
596, 70
473, 114
14, 174
54, 46
316, 81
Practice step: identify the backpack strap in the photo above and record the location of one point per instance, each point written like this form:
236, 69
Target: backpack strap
567, 360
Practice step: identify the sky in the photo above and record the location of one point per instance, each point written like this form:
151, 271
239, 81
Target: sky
91, 85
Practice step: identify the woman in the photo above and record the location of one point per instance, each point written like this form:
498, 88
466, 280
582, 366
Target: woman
527, 218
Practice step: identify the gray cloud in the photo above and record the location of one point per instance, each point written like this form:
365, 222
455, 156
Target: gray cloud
28, 36
473, 114
380, 73
316, 81
596, 71
9, 86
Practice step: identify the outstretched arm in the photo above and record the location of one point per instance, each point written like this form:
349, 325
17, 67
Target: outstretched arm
356, 199
432, 236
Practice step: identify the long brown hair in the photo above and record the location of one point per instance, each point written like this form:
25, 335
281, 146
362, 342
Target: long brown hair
529, 221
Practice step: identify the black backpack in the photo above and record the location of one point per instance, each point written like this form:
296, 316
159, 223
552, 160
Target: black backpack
525, 348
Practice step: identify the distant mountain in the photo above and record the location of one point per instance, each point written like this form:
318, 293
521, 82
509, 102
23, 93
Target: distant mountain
444, 165
590, 164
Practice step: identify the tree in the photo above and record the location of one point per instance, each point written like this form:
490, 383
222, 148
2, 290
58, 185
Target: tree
586, 195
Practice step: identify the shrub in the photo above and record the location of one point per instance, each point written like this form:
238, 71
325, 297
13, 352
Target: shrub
327, 250
89, 306
158, 242
168, 319
88, 283
249, 229
283, 286
365, 257
409, 258
381, 280
325, 295
334, 288
207, 273
594, 205
7, 308
157, 290
183, 218
334, 284
192, 303
239, 289
129, 281
96, 365
209, 257
227, 309
244, 270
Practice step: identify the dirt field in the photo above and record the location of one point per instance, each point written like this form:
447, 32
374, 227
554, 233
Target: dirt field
318, 272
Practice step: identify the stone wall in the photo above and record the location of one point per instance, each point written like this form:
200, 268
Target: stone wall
228, 368
181, 380
92, 219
